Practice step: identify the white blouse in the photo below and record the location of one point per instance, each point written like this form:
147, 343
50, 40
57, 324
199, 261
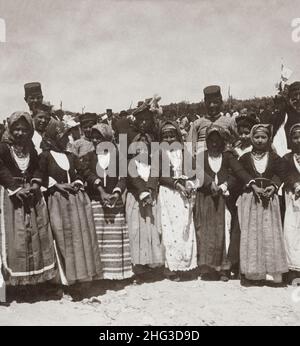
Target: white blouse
143, 170
215, 164
261, 164
103, 162
62, 161
175, 157
37, 140
22, 162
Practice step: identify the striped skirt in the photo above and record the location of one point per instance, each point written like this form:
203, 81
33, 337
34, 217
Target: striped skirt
75, 236
27, 250
113, 241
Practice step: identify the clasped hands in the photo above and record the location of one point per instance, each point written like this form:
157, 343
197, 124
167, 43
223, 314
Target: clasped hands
263, 193
109, 200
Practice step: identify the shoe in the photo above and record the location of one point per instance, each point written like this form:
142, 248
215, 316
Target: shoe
212, 276
224, 275
252, 283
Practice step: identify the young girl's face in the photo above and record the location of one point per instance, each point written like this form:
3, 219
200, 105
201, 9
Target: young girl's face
260, 141
215, 144
96, 137
244, 133
63, 141
170, 136
143, 146
86, 127
296, 142
21, 132
41, 121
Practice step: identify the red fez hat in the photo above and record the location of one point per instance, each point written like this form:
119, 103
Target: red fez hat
212, 91
32, 88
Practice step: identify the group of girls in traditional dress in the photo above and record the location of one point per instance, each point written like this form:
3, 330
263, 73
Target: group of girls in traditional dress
71, 220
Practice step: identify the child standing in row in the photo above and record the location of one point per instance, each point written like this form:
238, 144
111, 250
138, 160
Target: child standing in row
262, 248
70, 209
105, 188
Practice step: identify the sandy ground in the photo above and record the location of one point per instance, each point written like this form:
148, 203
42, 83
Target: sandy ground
164, 303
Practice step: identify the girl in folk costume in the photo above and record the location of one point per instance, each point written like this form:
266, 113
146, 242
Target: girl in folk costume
105, 188
212, 213
141, 210
41, 120
262, 249
83, 145
176, 206
27, 250
292, 202
244, 126
70, 210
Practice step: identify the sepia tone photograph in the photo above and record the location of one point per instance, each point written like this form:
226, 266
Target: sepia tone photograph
149, 164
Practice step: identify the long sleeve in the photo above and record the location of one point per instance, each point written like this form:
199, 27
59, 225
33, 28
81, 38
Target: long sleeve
85, 170
44, 168
6, 179
121, 185
237, 168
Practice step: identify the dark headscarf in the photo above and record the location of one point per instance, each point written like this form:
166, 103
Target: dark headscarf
55, 131
105, 131
223, 133
13, 119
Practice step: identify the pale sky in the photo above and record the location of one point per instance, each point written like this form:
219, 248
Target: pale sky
106, 54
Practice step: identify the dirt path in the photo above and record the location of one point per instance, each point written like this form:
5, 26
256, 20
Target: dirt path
164, 303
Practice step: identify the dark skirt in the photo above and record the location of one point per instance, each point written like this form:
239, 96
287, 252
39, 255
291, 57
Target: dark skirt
75, 236
210, 223
27, 250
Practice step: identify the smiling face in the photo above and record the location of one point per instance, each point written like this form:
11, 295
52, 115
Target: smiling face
244, 134
215, 144
41, 121
96, 137
213, 106
20, 131
295, 138
34, 101
295, 100
260, 141
86, 127
169, 135
63, 141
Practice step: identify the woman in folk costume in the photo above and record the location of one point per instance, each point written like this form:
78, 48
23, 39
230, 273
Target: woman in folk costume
292, 202
262, 249
105, 188
212, 212
176, 201
27, 250
70, 210
141, 210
